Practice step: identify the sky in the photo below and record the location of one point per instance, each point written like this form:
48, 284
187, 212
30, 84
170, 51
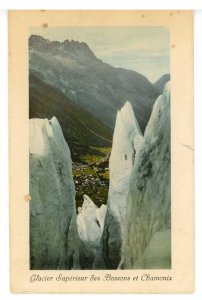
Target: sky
145, 50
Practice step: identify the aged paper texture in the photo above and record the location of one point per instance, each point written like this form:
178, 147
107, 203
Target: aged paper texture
101, 151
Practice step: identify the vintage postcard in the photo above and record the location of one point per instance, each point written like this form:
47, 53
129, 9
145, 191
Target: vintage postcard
101, 151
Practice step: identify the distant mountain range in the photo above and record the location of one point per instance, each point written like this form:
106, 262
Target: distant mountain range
94, 86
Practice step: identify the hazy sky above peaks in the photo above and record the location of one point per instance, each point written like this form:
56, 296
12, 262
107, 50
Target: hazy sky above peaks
143, 49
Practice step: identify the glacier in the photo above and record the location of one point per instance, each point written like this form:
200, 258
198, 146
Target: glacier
54, 240
133, 231
127, 141
90, 223
147, 244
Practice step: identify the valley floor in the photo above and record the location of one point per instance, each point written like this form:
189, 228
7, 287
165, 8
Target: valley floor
91, 177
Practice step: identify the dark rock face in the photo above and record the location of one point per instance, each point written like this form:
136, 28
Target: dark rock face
148, 241
90, 83
81, 129
54, 241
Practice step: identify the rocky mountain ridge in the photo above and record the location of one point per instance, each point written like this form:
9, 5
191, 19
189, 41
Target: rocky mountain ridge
95, 86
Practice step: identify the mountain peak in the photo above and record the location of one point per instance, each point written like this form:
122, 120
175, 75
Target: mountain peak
77, 49
90, 83
34, 38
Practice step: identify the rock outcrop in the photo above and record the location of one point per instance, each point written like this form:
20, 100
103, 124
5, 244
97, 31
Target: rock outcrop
127, 142
90, 222
147, 243
54, 241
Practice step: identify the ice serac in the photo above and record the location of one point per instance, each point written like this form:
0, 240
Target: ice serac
90, 222
147, 243
127, 141
54, 240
